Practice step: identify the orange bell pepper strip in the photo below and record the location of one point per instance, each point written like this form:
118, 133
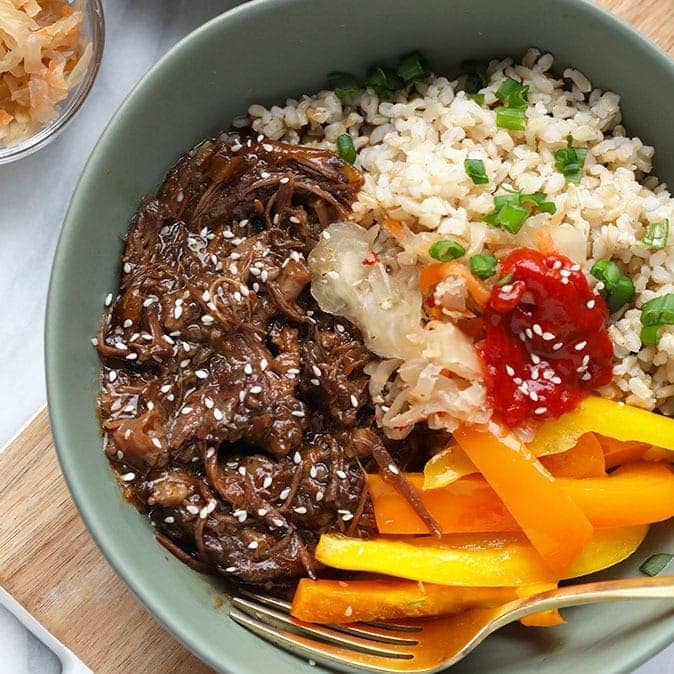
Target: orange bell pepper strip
473, 560
347, 601
638, 493
606, 417
434, 273
584, 459
447, 467
553, 522
620, 452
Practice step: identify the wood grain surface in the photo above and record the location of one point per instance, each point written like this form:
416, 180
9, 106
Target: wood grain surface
51, 565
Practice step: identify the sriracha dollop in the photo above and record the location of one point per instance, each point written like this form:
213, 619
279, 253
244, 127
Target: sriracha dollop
546, 344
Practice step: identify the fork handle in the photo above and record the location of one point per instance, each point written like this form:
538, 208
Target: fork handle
591, 593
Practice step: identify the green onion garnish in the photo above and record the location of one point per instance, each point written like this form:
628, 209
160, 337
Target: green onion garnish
512, 93
483, 266
344, 83
618, 288
510, 118
570, 161
478, 98
510, 212
384, 82
476, 77
658, 311
657, 234
655, 563
650, 334
446, 250
345, 148
475, 170
413, 68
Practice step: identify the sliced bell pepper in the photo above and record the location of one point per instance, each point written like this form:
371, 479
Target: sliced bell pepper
347, 601
584, 459
554, 524
550, 618
475, 560
598, 415
621, 452
638, 493
447, 467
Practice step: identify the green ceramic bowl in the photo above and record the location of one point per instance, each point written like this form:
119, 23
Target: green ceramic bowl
265, 51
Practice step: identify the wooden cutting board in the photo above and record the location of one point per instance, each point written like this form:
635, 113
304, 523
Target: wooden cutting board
50, 564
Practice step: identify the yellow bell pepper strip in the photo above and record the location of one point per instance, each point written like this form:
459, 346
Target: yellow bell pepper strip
598, 415
584, 459
554, 524
473, 560
639, 493
447, 466
346, 601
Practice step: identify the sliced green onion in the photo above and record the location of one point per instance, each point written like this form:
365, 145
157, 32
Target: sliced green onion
538, 200
478, 98
343, 83
512, 93
510, 118
658, 311
657, 234
475, 171
618, 288
511, 218
345, 148
570, 161
476, 77
656, 563
384, 82
650, 334
505, 280
446, 250
413, 68
483, 266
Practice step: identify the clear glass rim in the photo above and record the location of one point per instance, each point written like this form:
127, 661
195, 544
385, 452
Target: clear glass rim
70, 107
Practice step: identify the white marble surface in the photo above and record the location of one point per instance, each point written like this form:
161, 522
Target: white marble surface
34, 194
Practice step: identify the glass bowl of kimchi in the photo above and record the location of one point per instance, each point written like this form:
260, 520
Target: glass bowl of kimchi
50, 52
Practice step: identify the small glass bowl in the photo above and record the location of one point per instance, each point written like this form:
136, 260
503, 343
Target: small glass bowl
93, 29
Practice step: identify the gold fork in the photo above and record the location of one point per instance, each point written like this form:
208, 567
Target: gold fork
428, 645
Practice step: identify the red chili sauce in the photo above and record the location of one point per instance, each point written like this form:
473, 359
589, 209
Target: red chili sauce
546, 343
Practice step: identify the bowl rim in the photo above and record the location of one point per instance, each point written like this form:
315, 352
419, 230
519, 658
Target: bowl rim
74, 102
60, 423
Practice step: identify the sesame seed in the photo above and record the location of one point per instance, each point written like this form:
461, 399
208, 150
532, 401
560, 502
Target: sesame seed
253, 545
170, 397
348, 611
300, 510
297, 458
312, 471
325, 234
354, 400
575, 267
242, 471
263, 364
538, 330
565, 281
132, 356
294, 219
108, 299
209, 403
292, 370
534, 374
312, 663
206, 296
528, 333
540, 410
517, 381
509, 371
127, 323
149, 302
230, 569
565, 273
169, 519
347, 516
244, 290
278, 521
121, 346
207, 319
586, 359
557, 264
201, 374
177, 312
298, 413
94, 341
284, 494
192, 509
126, 267
580, 346
256, 389
168, 340
315, 382
557, 346
248, 368
267, 482
237, 296
586, 377
556, 380
207, 509
185, 362
590, 304
262, 512
264, 175
112, 375
210, 452
319, 496
242, 396
393, 468
185, 410
340, 474
316, 370
217, 414
264, 276
283, 181
127, 477
535, 358
534, 396
156, 442
548, 336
